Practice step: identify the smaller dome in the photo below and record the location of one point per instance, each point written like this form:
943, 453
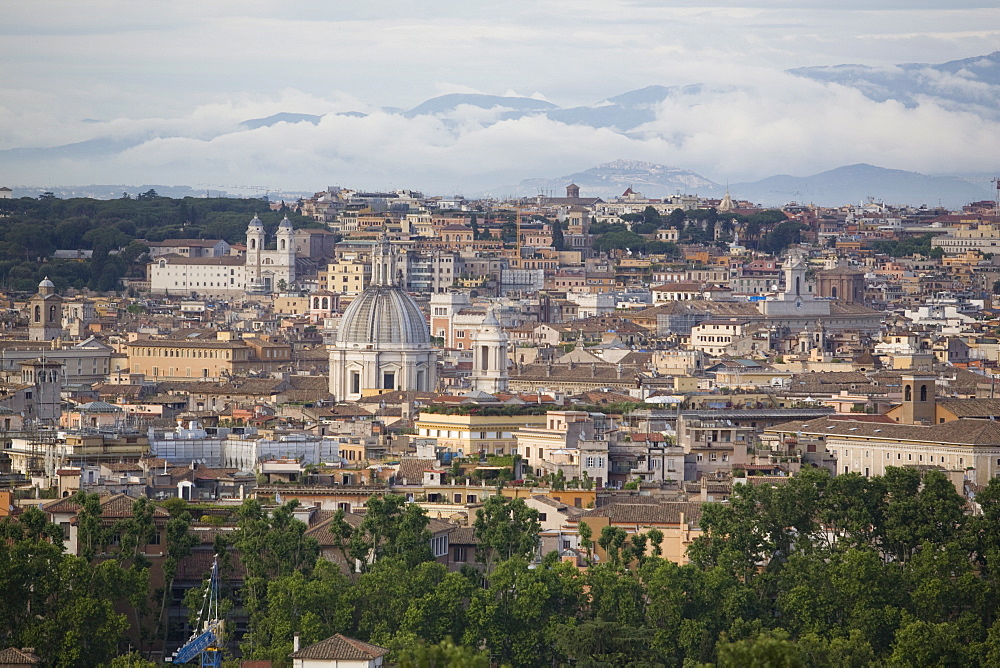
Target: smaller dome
285, 224
256, 224
46, 283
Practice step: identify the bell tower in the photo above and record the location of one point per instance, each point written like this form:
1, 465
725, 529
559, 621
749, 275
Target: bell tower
285, 258
45, 313
918, 398
255, 249
489, 352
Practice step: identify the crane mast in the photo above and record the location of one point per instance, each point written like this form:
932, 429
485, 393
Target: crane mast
206, 642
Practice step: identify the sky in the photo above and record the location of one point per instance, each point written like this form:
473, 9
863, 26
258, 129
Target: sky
173, 80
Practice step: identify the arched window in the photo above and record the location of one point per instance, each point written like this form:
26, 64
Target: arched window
253, 244
38, 314
486, 357
908, 394
923, 393
52, 313
797, 286
282, 244
833, 292
326, 302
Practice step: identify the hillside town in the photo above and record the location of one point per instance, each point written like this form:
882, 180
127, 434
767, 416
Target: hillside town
607, 367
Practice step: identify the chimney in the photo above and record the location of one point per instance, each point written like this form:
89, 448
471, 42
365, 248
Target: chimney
295, 642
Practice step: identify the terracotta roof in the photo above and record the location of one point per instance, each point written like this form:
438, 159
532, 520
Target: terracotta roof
964, 431
120, 505
340, 647
17, 657
323, 535
64, 505
979, 408
668, 512
411, 470
463, 536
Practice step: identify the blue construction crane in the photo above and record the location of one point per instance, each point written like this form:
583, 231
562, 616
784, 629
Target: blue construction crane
206, 641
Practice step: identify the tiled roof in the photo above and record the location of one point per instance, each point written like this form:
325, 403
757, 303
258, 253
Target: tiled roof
120, 505
18, 657
322, 533
411, 470
463, 536
667, 512
579, 373
340, 647
64, 505
981, 408
222, 260
964, 431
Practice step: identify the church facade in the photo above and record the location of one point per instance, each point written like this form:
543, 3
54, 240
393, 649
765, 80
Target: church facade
264, 269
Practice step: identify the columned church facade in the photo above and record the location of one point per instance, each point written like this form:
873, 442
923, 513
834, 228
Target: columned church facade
264, 270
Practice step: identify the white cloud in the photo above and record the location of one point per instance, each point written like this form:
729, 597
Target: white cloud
181, 76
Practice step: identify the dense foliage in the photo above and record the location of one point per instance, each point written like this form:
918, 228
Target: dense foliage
907, 247
820, 571
33, 229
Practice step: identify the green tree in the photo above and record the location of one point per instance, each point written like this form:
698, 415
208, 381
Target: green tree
768, 650
592, 644
391, 526
518, 616
445, 654
921, 643
180, 542
505, 529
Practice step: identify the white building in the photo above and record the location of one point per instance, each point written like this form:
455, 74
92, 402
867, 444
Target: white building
383, 342
262, 271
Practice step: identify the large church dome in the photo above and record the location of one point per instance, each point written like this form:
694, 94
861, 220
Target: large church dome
383, 343
384, 315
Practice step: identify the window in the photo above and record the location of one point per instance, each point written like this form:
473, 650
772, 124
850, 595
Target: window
355, 382
460, 555
541, 517
154, 539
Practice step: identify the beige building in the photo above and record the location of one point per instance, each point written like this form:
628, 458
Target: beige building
197, 358
470, 434
722, 337
678, 520
570, 441
982, 237
717, 445
348, 276
967, 446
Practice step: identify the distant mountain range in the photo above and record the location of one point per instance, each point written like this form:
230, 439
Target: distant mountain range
970, 86
853, 183
850, 184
